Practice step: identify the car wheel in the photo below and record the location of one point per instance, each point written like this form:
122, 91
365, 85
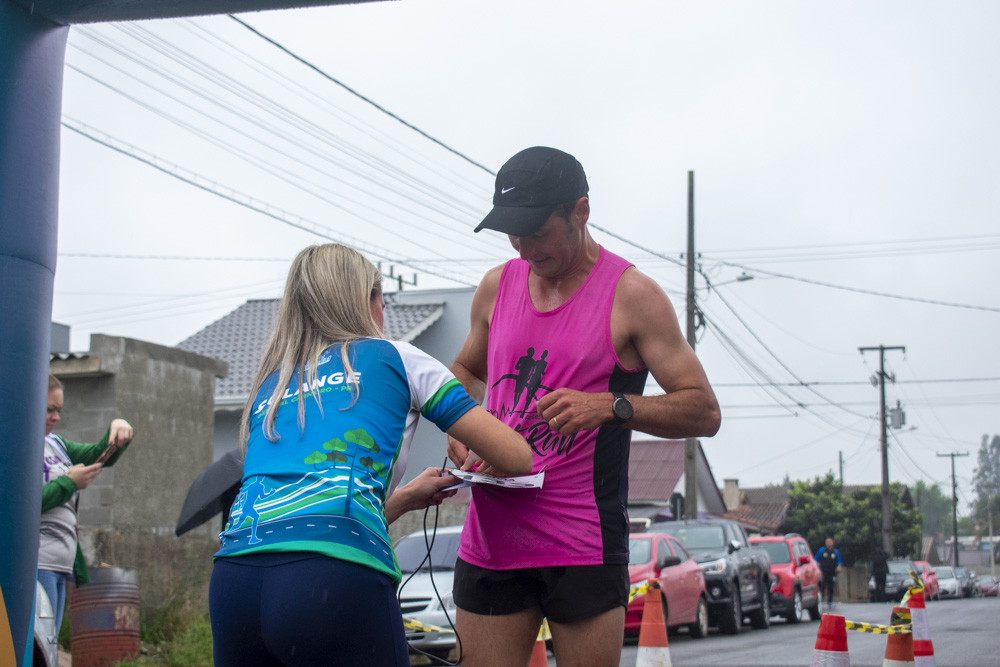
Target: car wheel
666, 615
699, 628
814, 612
794, 614
732, 618
760, 619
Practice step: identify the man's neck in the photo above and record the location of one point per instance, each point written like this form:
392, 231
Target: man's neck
549, 292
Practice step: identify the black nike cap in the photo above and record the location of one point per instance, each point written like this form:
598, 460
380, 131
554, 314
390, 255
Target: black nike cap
528, 188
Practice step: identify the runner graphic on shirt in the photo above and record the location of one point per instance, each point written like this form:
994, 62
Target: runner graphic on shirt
528, 377
253, 493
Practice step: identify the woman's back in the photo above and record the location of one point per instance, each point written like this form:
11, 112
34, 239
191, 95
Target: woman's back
322, 488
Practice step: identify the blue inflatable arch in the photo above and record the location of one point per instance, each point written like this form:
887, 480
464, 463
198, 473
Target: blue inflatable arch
32, 48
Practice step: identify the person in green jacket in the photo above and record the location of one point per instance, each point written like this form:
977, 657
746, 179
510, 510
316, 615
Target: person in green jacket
68, 467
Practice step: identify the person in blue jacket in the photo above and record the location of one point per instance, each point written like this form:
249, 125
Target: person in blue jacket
829, 564
306, 574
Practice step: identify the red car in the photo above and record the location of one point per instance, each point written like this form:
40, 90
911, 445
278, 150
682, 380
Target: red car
659, 556
926, 572
989, 585
794, 576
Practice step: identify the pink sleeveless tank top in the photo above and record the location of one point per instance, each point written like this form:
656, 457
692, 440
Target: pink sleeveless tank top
579, 516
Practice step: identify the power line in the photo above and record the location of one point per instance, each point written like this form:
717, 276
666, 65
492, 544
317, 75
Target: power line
833, 383
861, 290
247, 201
775, 356
359, 95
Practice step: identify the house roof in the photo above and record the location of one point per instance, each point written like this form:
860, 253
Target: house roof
239, 338
766, 517
654, 468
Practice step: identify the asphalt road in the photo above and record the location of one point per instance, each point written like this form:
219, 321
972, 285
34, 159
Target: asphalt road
964, 632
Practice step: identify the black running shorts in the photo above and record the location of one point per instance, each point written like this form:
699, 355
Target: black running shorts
565, 594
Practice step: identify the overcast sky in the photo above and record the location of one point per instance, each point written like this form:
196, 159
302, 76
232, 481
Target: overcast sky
853, 145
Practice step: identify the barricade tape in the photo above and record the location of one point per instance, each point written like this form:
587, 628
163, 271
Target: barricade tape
919, 588
636, 590
906, 629
416, 626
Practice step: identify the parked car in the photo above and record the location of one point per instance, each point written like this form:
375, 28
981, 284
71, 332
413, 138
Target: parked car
897, 581
989, 585
418, 598
931, 585
970, 582
737, 574
661, 557
45, 652
949, 585
794, 576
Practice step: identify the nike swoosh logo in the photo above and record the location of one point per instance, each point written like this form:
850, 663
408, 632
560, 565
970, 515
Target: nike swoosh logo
504, 191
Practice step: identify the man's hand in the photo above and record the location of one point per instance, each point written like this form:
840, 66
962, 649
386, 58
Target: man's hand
458, 453
120, 433
466, 459
83, 475
569, 411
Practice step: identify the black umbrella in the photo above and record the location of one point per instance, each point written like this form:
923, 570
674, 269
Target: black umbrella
212, 492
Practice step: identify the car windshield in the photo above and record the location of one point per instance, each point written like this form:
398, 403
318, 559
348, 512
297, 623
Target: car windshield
698, 537
960, 572
896, 567
944, 573
986, 579
411, 551
639, 551
778, 552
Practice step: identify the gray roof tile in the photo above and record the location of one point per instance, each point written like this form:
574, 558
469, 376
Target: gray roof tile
239, 338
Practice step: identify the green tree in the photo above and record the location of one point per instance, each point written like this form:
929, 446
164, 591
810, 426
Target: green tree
934, 506
819, 509
986, 480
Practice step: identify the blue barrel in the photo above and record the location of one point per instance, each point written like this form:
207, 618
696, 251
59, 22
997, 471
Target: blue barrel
105, 618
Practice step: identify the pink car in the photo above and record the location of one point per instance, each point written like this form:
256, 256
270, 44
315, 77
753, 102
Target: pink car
662, 557
926, 572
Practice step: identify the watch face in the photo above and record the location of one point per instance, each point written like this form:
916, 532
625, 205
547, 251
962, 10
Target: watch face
622, 408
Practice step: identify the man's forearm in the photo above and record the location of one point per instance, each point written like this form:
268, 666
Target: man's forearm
474, 385
688, 413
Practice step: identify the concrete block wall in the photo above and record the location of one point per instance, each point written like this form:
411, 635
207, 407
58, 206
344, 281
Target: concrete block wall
127, 516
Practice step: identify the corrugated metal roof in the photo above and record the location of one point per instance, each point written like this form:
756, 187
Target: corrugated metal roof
654, 468
239, 338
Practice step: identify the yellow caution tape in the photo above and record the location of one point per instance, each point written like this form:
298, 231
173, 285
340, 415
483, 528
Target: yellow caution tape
543, 632
636, 590
417, 626
879, 629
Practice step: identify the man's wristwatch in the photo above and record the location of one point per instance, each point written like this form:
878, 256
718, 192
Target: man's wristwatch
621, 407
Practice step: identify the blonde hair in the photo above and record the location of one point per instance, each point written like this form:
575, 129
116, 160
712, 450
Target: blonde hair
54, 383
327, 300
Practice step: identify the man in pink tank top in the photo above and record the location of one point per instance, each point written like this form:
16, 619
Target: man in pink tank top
561, 343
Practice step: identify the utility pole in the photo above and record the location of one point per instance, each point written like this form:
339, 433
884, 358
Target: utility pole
989, 510
954, 505
840, 461
883, 441
691, 444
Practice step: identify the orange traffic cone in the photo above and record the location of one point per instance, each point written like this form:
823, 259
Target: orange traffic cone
899, 649
654, 651
923, 648
831, 643
539, 658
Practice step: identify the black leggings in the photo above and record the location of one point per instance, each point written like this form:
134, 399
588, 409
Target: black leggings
301, 610
829, 580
